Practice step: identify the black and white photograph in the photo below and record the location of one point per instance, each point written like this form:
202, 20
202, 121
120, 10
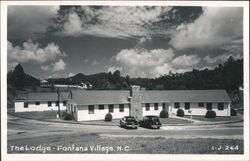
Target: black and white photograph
137, 78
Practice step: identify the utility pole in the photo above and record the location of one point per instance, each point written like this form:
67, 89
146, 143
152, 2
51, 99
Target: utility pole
58, 99
190, 111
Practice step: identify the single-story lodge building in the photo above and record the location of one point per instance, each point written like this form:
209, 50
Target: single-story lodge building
87, 105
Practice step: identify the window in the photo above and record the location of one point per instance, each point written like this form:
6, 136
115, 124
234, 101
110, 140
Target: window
187, 105
37, 103
57, 103
111, 108
147, 106
121, 107
163, 106
209, 106
49, 104
200, 104
64, 103
176, 105
101, 107
156, 106
26, 104
91, 109
220, 106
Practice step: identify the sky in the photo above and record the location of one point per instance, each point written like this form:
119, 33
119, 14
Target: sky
140, 41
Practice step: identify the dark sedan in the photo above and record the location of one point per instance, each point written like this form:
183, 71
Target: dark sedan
129, 122
150, 121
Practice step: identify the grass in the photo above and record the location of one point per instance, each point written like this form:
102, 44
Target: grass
51, 115
217, 119
137, 145
42, 115
173, 121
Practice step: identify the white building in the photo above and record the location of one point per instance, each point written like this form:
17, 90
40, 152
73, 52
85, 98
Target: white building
45, 84
42, 101
95, 104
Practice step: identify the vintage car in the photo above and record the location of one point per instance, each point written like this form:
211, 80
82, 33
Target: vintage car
129, 122
150, 121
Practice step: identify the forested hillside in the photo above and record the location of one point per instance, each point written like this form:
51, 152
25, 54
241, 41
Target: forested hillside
227, 76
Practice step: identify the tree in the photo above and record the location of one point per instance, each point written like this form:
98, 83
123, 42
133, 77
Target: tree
18, 77
117, 75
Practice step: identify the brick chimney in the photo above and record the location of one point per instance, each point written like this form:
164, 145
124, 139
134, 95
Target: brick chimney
135, 102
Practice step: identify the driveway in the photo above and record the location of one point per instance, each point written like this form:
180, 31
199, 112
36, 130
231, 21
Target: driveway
167, 140
26, 128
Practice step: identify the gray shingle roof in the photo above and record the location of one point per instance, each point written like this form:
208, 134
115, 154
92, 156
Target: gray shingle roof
116, 97
89, 97
44, 96
185, 96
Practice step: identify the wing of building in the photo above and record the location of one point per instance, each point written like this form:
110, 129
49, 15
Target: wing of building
42, 101
95, 104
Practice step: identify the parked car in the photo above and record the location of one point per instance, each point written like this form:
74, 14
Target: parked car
150, 121
129, 122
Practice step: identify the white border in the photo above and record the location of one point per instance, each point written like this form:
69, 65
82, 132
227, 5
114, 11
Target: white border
142, 157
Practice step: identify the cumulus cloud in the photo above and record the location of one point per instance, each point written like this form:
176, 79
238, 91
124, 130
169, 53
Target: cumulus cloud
55, 67
58, 66
144, 39
30, 51
220, 58
109, 21
45, 67
73, 26
112, 69
24, 21
152, 63
215, 27
71, 75
185, 61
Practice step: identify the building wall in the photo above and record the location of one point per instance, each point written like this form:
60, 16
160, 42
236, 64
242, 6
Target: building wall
151, 111
201, 111
82, 112
19, 107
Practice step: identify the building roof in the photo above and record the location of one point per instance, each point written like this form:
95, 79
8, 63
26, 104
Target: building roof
90, 97
185, 96
83, 97
44, 81
44, 96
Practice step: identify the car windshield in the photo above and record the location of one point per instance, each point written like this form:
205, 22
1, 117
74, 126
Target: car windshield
130, 119
154, 118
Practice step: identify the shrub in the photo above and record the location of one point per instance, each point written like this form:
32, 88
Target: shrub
233, 112
64, 114
164, 114
67, 116
180, 113
108, 117
210, 114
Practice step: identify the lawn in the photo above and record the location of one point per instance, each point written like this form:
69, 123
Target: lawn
217, 119
168, 121
42, 115
51, 116
136, 145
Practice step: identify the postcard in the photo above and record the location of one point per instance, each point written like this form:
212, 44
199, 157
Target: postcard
124, 80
